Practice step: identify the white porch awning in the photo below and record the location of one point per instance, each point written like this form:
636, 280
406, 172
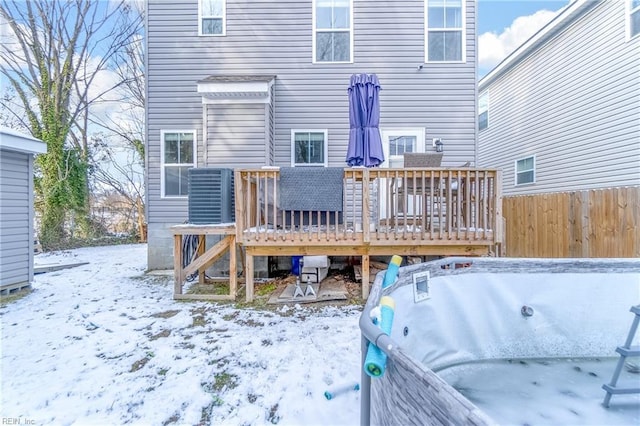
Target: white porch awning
236, 89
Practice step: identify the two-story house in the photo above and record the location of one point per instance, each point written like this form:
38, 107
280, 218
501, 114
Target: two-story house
251, 83
561, 114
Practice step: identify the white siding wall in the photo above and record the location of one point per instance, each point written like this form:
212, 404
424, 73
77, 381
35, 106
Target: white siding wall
575, 104
15, 218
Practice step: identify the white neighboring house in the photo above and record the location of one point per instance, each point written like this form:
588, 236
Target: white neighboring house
16, 208
562, 112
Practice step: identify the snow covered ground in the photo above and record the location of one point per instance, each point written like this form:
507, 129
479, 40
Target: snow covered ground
103, 343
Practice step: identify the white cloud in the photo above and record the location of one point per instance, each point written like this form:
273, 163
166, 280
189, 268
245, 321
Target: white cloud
493, 48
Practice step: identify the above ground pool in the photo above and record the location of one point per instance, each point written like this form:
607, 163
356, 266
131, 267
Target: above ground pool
501, 341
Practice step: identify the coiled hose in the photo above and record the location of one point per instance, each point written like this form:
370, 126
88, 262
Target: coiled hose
189, 247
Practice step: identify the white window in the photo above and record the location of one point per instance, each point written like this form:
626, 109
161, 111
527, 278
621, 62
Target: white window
212, 17
483, 111
178, 154
395, 142
332, 31
525, 170
633, 6
445, 30
309, 148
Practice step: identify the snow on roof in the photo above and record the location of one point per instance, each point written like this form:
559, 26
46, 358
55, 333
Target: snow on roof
16, 141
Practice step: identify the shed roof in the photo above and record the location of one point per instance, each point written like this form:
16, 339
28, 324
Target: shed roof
16, 141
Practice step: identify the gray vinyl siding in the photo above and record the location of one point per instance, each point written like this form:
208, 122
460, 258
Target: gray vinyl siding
236, 135
15, 218
574, 103
264, 37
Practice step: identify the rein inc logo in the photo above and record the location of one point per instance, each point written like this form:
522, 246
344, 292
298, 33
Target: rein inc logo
17, 421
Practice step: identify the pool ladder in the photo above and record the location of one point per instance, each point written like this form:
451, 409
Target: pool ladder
625, 351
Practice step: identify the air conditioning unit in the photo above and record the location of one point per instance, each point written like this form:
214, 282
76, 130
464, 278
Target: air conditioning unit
211, 196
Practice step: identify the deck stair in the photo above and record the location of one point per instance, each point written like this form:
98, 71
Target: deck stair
613, 388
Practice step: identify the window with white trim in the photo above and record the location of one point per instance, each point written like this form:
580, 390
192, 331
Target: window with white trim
178, 155
525, 170
212, 17
445, 38
332, 31
483, 111
309, 148
634, 17
395, 142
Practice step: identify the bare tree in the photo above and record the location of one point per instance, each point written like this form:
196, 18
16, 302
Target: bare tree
120, 157
52, 55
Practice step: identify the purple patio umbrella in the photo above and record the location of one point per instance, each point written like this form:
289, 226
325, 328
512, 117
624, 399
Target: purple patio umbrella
365, 144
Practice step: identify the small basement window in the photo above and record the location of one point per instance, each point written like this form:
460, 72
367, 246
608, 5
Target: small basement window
525, 170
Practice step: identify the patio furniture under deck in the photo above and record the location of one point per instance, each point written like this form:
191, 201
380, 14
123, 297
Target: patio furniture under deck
469, 224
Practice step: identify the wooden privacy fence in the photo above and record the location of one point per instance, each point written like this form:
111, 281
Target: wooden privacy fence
590, 223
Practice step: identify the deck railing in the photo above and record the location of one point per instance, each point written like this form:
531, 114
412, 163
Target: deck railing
435, 206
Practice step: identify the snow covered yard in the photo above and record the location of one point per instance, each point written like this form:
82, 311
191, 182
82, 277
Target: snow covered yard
103, 343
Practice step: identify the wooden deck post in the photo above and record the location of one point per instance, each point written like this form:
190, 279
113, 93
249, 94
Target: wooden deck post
177, 264
366, 213
202, 245
365, 276
248, 269
233, 269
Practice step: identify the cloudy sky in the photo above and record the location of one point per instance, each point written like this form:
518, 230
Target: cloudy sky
503, 25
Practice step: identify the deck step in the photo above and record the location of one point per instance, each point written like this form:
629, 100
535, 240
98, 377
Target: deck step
630, 351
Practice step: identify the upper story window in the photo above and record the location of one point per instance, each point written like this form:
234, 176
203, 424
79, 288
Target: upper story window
309, 148
526, 170
332, 31
178, 156
634, 17
445, 27
212, 17
483, 111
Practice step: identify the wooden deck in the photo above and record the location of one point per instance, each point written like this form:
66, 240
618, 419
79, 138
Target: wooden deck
419, 212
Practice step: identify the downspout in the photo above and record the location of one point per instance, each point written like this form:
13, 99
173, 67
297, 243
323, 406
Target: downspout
205, 125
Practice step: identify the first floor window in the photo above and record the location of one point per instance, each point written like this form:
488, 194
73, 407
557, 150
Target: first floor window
483, 111
634, 17
333, 30
525, 170
212, 17
308, 147
178, 156
445, 30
